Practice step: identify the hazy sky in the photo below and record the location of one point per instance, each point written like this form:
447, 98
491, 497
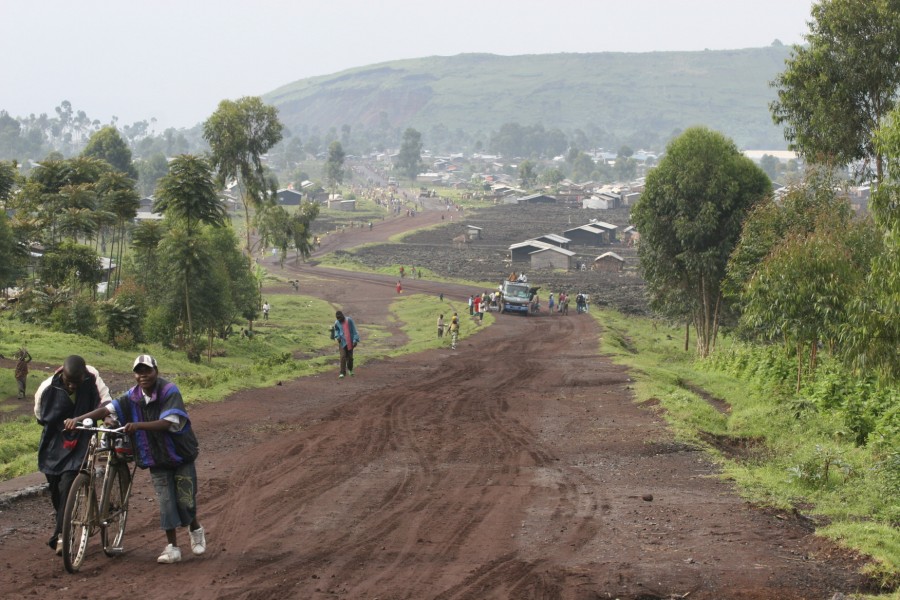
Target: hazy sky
176, 59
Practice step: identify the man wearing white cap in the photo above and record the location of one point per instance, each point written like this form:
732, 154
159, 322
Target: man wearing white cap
153, 413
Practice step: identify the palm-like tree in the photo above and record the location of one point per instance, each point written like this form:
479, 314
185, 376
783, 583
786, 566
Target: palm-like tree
118, 197
187, 197
187, 194
145, 239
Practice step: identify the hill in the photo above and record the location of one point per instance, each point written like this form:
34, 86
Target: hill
636, 98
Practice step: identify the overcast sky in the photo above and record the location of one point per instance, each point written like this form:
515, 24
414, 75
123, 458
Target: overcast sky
174, 60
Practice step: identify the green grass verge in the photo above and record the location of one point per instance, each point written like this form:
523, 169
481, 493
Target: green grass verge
776, 458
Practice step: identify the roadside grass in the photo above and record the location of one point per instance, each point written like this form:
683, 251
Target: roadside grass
418, 314
777, 457
18, 448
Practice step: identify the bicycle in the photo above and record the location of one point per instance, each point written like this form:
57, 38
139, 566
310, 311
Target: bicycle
98, 498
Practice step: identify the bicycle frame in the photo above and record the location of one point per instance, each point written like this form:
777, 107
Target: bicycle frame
97, 500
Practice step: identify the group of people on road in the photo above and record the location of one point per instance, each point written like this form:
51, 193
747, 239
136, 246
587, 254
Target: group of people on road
482, 303
561, 303
153, 415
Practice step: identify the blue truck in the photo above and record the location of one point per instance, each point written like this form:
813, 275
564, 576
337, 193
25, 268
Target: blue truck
516, 297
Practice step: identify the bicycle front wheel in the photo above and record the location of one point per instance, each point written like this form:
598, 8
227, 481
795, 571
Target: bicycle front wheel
114, 508
77, 522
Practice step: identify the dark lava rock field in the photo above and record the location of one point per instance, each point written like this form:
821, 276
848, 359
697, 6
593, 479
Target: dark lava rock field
487, 259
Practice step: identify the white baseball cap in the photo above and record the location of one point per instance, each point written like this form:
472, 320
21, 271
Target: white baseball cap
144, 359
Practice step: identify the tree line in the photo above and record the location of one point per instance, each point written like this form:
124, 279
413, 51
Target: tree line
800, 272
180, 281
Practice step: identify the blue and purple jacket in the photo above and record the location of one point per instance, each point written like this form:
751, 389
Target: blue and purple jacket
158, 449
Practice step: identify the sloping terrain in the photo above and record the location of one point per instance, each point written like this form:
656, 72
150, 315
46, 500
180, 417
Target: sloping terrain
621, 93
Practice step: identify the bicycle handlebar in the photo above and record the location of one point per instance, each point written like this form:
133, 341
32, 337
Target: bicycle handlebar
120, 430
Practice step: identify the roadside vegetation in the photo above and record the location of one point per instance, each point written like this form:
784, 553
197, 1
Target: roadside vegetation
795, 451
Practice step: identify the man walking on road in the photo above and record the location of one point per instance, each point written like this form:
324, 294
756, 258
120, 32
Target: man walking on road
344, 331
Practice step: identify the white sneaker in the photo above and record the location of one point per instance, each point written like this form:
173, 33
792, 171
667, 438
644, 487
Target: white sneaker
170, 555
198, 541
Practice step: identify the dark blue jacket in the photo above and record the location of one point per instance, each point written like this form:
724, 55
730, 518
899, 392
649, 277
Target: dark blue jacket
60, 450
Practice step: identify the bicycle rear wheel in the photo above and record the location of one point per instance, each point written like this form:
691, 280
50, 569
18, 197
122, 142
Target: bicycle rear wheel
114, 507
77, 522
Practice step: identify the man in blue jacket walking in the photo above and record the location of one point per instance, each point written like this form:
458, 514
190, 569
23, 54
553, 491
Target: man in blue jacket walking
344, 331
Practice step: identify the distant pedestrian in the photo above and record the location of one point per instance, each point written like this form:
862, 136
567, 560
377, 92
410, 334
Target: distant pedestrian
454, 331
22, 360
471, 306
550, 304
399, 287
265, 308
440, 326
344, 332
441, 296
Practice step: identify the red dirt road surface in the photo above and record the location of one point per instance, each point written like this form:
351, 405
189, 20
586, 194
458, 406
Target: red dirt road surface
517, 466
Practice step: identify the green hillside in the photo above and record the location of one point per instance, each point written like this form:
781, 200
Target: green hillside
627, 97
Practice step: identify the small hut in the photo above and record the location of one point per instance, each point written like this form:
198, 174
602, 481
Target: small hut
553, 257
609, 262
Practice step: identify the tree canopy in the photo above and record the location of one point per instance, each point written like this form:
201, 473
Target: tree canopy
334, 165
410, 158
872, 335
187, 194
838, 87
239, 134
690, 217
108, 145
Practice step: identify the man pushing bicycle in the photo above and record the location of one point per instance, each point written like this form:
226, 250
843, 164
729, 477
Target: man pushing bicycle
153, 414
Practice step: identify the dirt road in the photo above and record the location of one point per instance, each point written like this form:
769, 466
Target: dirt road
517, 466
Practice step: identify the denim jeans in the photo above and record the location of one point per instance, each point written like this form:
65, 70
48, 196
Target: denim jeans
176, 491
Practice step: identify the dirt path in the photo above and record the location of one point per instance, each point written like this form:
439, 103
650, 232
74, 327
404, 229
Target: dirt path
514, 467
